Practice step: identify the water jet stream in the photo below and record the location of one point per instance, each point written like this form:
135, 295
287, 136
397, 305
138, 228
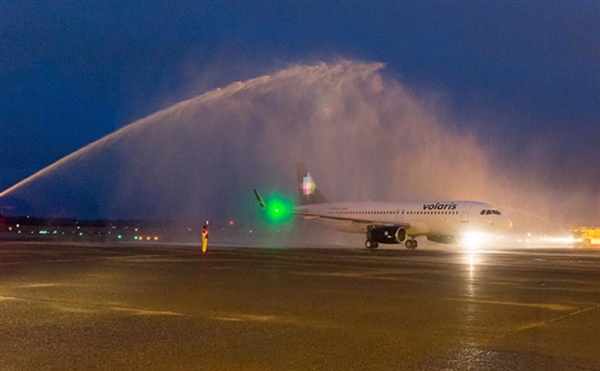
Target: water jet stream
363, 135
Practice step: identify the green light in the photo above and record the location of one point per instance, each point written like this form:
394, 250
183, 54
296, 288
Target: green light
279, 209
120, 236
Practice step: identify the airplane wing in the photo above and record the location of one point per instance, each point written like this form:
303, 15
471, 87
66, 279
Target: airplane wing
372, 222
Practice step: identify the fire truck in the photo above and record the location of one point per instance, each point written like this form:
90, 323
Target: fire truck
589, 237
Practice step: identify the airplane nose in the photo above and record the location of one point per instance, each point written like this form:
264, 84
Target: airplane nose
507, 224
500, 224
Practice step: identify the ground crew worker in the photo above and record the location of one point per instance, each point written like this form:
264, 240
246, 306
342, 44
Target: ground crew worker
205, 237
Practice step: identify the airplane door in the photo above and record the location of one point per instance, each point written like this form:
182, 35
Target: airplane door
400, 215
464, 217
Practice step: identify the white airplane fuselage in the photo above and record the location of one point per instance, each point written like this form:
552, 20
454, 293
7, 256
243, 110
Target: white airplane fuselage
451, 219
397, 222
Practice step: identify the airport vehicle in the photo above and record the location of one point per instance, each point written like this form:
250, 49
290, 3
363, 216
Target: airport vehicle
588, 236
397, 222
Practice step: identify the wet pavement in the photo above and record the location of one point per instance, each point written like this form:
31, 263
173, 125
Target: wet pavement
172, 308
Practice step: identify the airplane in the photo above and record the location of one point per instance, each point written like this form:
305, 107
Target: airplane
397, 222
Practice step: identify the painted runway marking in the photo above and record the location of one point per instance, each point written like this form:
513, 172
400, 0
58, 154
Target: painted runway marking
245, 318
106, 258
548, 322
556, 307
95, 308
89, 308
38, 285
10, 298
146, 312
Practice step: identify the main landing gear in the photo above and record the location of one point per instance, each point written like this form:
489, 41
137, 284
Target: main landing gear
411, 244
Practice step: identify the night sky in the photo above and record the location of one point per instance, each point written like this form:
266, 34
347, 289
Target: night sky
524, 74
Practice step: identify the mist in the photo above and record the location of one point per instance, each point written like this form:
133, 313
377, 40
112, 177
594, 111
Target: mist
363, 134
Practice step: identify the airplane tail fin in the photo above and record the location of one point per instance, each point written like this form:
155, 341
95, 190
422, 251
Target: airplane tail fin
309, 193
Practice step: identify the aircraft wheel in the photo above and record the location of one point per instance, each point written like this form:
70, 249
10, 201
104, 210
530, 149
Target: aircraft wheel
371, 244
411, 244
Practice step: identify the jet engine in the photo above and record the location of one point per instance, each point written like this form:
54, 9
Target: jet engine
391, 234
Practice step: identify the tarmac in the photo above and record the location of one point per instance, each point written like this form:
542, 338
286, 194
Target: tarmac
119, 307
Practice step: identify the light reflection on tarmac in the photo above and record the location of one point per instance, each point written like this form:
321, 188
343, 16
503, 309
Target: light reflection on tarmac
143, 308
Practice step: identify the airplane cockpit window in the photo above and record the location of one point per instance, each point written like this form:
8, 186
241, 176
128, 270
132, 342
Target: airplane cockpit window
490, 212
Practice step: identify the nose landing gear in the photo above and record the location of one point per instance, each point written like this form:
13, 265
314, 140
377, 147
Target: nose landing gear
370, 244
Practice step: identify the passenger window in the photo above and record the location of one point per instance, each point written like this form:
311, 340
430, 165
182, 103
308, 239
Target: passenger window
482, 212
